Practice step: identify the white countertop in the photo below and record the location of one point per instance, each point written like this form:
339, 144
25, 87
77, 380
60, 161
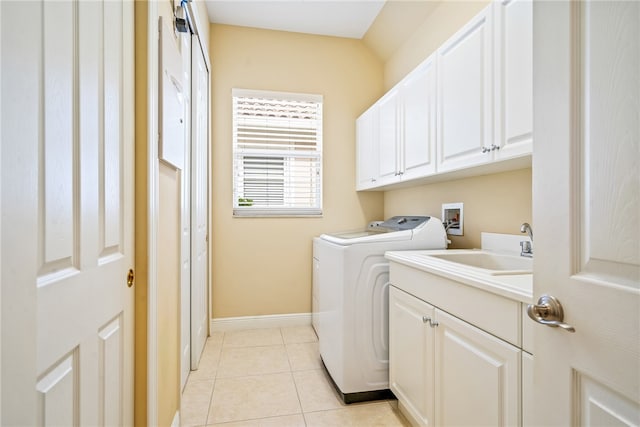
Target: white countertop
517, 287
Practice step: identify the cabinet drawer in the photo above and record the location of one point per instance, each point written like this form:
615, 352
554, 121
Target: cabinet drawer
495, 314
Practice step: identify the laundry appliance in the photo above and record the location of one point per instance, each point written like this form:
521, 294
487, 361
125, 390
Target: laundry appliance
351, 298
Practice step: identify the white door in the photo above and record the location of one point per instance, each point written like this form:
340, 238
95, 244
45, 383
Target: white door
367, 149
411, 354
67, 199
199, 202
465, 102
418, 97
477, 376
388, 138
586, 198
185, 220
513, 26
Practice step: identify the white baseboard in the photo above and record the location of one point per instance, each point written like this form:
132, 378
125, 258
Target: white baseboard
224, 324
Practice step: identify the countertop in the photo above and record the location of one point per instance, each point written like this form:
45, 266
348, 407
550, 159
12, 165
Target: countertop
517, 287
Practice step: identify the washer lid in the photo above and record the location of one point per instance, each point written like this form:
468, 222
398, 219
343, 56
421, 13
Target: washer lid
367, 236
397, 228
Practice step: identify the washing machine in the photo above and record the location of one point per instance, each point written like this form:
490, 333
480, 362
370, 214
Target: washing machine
350, 300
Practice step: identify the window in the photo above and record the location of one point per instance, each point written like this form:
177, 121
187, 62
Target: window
277, 153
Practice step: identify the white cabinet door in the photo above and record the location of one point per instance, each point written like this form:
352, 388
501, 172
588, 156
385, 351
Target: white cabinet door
388, 138
411, 354
477, 376
513, 78
418, 94
465, 104
527, 389
367, 149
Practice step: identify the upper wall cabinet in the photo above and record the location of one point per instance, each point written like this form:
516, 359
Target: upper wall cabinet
463, 111
388, 137
418, 113
513, 77
402, 127
367, 149
465, 90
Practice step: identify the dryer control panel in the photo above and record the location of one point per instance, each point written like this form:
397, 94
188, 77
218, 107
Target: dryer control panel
398, 223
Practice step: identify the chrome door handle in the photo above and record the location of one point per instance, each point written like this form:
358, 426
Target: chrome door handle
549, 312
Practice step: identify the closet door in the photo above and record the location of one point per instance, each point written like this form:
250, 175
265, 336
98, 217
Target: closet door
199, 202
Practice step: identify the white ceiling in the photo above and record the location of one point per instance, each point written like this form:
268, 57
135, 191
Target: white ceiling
341, 18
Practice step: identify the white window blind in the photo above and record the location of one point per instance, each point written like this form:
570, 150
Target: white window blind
277, 153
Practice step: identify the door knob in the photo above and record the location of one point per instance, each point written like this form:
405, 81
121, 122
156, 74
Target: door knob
548, 311
130, 278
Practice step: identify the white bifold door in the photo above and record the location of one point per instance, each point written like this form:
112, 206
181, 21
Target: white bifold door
195, 207
67, 212
199, 201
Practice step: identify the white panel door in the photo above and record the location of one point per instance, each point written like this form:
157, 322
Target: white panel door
67, 197
477, 376
185, 219
465, 105
513, 77
199, 202
418, 97
411, 354
586, 199
367, 149
388, 138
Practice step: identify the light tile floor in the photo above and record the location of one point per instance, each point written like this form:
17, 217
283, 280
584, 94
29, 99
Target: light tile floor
272, 377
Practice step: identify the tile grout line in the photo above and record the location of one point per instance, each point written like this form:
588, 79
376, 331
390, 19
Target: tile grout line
295, 385
215, 380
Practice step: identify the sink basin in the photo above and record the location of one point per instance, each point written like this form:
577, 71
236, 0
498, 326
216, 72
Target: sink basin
490, 263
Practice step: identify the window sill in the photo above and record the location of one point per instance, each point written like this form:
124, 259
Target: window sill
276, 213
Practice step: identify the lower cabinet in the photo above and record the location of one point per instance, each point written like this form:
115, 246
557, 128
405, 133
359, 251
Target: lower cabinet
445, 371
527, 392
411, 355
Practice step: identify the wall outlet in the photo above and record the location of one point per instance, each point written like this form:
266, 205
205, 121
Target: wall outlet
453, 218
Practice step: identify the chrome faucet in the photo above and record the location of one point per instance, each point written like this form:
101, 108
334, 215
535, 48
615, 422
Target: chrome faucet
526, 248
526, 228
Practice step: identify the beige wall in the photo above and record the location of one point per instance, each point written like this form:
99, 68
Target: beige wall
440, 24
262, 266
498, 202
168, 294
141, 213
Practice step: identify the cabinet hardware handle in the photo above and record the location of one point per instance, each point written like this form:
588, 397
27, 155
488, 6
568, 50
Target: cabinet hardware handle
432, 323
485, 150
494, 147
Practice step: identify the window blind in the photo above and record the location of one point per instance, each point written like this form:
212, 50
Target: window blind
277, 153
